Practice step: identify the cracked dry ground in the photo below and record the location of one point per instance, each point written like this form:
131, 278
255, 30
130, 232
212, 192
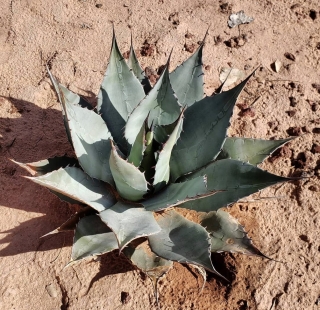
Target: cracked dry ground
73, 37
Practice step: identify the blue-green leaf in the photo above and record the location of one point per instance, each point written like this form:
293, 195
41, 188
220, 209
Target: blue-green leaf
182, 240
187, 79
227, 235
90, 137
119, 94
160, 106
253, 151
234, 179
74, 183
138, 148
162, 170
130, 181
134, 65
178, 193
48, 165
204, 131
92, 237
129, 222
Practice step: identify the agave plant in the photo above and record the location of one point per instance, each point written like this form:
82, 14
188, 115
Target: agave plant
144, 151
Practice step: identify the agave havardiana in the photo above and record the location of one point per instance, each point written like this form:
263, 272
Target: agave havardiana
145, 150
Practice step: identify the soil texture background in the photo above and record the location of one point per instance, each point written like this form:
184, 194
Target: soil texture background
73, 37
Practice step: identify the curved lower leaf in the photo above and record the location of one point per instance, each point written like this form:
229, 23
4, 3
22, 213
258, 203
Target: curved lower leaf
129, 222
227, 235
70, 223
204, 131
253, 151
182, 240
74, 183
92, 237
130, 181
120, 93
42, 167
154, 266
234, 179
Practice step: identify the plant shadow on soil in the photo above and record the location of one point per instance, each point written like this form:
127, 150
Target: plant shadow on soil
37, 134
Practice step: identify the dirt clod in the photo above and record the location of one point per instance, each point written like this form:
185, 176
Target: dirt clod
236, 42
290, 56
313, 14
293, 101
125, 297
174, 18
315, 148
316, 86
190, 47
147, 49
294, 131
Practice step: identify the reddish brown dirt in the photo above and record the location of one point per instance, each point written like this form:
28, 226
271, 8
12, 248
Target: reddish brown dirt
73, 37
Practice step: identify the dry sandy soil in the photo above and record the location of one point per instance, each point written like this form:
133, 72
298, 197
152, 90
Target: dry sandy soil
73, 37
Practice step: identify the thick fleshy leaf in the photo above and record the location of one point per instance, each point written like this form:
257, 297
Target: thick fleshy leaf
62, 93
48, 165
71, 223
227, 235
90, 137
234, 179
92, 237
160, 106
204, 131
178, 193
182, 240
138, 148
42, 167
130, 181
119, 94
187, 79
134, 65
162, 170
74, 183
154, 266
129, 222
253, 151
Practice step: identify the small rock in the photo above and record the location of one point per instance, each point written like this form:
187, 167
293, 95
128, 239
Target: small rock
98, 5
316, 130
290, 56
276, 66
238, 19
